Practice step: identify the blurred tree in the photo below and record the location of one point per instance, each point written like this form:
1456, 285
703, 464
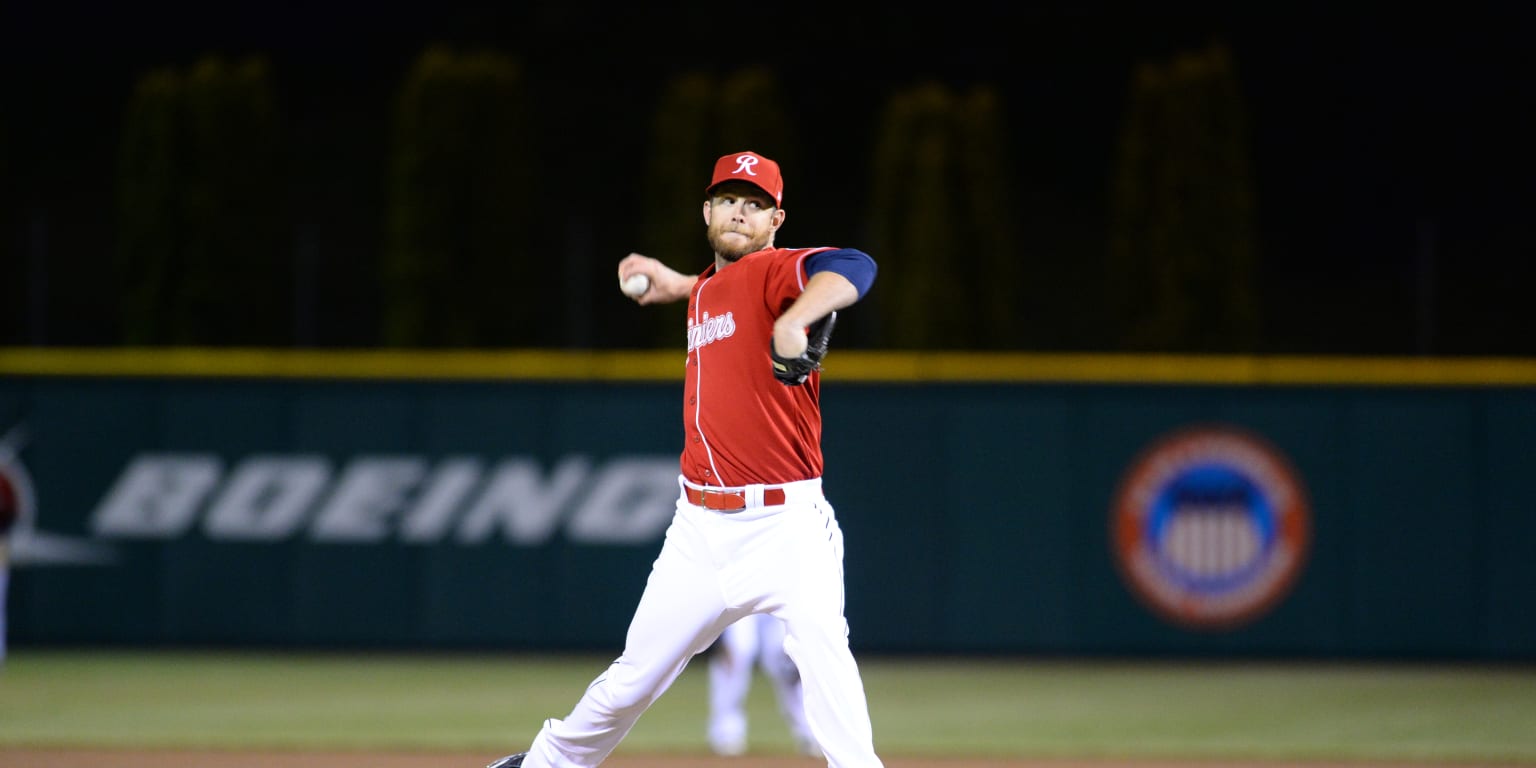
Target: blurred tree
148, 220
678, 166
700, 118
1181, 273
13, 294
201, 248
750, 114
238, 260
939, 222
988, 216
457, 268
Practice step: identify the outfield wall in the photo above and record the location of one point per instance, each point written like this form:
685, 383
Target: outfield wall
1109, 506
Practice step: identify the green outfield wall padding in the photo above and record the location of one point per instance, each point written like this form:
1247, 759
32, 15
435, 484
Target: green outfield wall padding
980, 517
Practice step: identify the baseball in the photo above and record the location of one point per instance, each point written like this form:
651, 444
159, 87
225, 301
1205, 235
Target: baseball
635, 285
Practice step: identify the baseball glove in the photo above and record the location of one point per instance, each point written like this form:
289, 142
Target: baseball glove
792, 371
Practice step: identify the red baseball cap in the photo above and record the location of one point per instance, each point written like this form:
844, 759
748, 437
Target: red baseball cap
752, 168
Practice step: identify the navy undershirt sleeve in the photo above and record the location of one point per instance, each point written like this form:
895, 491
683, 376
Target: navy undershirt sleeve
851, 263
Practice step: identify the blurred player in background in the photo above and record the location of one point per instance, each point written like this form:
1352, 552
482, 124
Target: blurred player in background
754, 641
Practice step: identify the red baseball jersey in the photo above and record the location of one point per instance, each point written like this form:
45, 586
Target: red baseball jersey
741, 425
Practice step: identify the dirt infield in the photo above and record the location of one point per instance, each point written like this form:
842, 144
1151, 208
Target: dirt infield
45, 758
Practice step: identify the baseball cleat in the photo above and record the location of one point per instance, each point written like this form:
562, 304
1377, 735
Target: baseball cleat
510, 761
728, 746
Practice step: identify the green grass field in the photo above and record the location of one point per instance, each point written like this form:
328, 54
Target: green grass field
920, 707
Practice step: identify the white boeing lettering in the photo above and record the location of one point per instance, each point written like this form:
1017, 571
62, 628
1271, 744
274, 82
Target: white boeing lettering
266, 498
744, 164
428, 520
156, 496
632, 498
372, 490
372, 499
710, 330
516, 501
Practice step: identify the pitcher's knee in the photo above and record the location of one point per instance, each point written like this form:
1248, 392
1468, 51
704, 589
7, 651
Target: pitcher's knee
625, 689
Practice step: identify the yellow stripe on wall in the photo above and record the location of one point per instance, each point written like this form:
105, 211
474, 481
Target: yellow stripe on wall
846, 365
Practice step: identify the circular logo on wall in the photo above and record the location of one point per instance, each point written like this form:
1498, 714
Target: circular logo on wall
1210, 527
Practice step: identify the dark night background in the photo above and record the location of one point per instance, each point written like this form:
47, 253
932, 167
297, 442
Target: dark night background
1392, 150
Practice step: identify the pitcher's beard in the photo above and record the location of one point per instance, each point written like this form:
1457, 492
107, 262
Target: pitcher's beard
731, 252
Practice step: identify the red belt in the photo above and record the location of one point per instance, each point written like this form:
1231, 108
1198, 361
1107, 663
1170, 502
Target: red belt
710, 498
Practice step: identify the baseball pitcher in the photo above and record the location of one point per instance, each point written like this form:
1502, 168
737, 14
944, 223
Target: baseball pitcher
752, 532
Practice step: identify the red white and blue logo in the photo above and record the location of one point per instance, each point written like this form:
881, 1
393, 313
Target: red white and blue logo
1210, 527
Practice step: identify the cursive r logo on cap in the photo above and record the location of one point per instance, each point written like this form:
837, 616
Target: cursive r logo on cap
745, 163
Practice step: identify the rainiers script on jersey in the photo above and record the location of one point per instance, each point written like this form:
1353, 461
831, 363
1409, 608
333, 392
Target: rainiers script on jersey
741, 425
